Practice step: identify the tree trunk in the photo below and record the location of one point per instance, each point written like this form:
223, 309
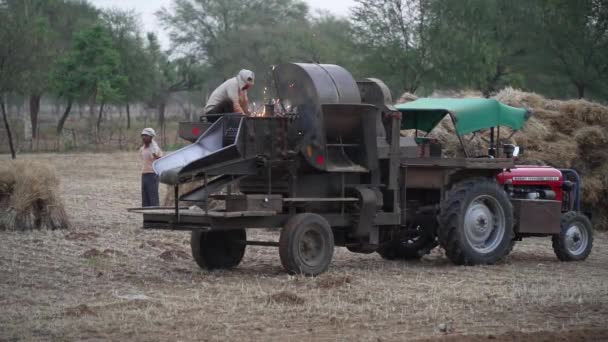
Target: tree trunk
161, 113
91, 120
8, 129
99, 116
161, 120
64, 117
128, 116
580, 89
34, 110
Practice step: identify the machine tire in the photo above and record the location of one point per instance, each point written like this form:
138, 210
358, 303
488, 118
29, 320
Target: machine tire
306, 245
218, 249
463, 222
575, 226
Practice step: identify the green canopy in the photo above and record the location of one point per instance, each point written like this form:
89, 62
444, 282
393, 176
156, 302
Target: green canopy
470, 115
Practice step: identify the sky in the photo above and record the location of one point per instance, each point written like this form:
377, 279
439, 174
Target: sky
147, 8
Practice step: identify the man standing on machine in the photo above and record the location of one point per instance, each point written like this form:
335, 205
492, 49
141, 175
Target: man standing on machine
231, 96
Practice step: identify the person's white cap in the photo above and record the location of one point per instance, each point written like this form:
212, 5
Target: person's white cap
246, 77
149, 132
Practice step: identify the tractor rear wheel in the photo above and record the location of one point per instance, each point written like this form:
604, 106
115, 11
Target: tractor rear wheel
218, 249
306, 245
575, 240
476, 223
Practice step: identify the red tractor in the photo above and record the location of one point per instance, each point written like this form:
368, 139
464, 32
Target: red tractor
574, 239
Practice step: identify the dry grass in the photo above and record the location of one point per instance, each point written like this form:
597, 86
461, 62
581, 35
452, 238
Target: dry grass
128, 291
29, 197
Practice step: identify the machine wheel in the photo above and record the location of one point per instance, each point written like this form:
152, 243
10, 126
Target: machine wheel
476, 223
575, 240
306, 245
218, 249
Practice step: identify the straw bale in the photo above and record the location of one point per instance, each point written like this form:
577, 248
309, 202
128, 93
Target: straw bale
585, 111
407, 97
592, 190
518, 98
590, 137
29, 197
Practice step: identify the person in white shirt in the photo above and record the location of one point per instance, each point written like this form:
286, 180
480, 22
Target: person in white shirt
231, 96
148, 153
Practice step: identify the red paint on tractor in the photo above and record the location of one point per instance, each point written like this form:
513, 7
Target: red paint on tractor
320, 160
530, 175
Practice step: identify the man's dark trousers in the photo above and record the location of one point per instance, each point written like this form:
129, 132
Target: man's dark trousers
149, 190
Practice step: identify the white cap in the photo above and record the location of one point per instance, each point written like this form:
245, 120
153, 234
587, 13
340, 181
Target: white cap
149, 132
246, 77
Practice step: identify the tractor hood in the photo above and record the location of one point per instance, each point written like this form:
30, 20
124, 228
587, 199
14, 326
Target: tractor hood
470, 115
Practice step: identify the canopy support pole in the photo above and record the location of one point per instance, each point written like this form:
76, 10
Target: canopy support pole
498, 145
492, 150
464, 149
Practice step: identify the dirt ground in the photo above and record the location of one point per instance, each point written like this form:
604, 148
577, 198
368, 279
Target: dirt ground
106, 279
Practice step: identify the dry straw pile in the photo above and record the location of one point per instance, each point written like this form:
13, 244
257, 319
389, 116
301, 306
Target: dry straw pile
563, 134
29, 197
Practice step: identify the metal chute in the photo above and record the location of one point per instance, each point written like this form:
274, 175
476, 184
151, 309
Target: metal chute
219, 144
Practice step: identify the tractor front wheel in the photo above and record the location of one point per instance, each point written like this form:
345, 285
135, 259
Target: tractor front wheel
476, 223
306, 245
218, 249
575, 240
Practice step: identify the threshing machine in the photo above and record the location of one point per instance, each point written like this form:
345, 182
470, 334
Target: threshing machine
332, 169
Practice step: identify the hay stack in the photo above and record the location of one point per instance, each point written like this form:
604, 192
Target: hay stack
29, 197
564, 134
407, 97
575, 136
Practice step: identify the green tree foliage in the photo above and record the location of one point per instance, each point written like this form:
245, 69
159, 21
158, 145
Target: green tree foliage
206, 27
230, 35
49, 28
135, 62
170, 76
394, 40
92, 71
576, 34
330, 41
72, 50
13, 58
35, 34
476, 42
